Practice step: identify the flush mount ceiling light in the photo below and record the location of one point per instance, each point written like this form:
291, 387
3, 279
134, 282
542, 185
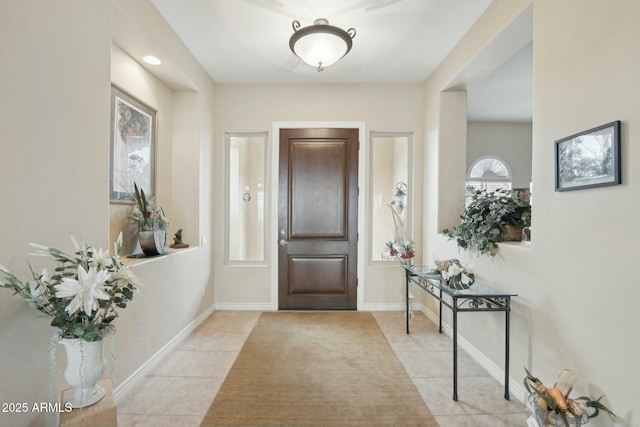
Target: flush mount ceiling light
320, 44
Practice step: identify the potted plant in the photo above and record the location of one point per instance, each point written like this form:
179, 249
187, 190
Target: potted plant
552, 406
490, 218
152, 223
80, 296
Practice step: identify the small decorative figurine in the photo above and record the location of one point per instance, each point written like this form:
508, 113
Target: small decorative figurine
177, 241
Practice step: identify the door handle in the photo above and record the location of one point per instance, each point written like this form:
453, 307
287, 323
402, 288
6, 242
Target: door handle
283, 242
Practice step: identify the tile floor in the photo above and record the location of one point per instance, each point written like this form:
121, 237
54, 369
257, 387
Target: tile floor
179, 391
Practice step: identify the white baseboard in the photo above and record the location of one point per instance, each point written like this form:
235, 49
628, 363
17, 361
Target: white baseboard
267, 307
121, 391
516, 389
388, 307
243, 306
431, 315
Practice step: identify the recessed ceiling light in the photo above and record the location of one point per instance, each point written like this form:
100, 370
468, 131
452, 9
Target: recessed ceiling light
153, 60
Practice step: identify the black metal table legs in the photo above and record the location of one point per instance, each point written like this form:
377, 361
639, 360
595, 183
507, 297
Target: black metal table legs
506, 348
406, 313
455, 352
462, 303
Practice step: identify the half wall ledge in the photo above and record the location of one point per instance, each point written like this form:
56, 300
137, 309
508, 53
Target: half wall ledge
131, 261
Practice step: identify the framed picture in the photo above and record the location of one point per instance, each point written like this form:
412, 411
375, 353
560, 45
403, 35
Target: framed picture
133, 138
589, 159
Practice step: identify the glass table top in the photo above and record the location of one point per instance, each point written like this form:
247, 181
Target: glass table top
478, 289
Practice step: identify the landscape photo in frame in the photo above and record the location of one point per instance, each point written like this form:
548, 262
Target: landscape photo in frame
589, 159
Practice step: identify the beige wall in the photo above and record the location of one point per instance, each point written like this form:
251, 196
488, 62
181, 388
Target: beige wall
134, 80
576, 305
178, 287
510, 142
586, 73
254, 108
54, 180
54, 132
178, 284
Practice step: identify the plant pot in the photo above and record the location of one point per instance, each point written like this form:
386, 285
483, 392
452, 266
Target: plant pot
85, 364
511, 233
547, 418
152, 242
456, 283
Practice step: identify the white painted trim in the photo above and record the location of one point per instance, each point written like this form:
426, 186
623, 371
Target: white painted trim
516, 389
243, 306
126, 386
362, 170
382, 307
430, 315
398, 306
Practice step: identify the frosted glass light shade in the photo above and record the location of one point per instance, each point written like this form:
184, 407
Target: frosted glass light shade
320, 44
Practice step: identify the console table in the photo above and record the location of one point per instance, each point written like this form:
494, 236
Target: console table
478, 298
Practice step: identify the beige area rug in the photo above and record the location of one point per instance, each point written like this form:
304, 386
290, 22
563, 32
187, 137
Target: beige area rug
300, 369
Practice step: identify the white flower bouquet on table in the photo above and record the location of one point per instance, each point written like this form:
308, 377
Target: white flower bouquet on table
82, 292
454, 274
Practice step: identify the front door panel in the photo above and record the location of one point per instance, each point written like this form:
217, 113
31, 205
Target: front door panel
317, 262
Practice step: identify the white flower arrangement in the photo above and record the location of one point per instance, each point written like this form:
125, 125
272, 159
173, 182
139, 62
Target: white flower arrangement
454, 274
83, 291
400, 247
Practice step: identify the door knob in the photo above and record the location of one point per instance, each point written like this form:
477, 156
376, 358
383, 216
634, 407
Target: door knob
283, 242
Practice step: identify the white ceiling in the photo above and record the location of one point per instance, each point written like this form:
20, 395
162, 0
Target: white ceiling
397, 41
507, 93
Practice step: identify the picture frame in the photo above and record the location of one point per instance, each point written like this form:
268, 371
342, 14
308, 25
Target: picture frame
589, 159
133, 144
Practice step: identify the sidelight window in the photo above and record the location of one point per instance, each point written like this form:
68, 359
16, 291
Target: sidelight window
390, 183
245, 213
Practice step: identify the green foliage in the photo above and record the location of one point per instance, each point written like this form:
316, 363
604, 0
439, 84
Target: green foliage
485, 218
147, 215
81, 295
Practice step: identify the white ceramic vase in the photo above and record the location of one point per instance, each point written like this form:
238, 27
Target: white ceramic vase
85, 364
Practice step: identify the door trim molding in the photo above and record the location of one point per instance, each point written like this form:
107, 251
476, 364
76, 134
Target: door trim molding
362, 171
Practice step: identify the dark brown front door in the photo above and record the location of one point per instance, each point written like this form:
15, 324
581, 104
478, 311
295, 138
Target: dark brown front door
318, 219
